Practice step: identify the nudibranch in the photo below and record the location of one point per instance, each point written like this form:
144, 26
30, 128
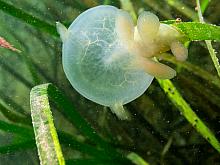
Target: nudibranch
110, 61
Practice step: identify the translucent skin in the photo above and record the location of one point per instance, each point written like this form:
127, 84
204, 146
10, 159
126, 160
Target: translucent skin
97, 64
110, 61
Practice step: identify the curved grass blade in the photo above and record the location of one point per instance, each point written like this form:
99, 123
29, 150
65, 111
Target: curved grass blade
12, 104
136, 159
29, 19
49, 149
17, 75
178, 5
50, 92
12, 116
91, 162
128, 6
17, 147
83, 147
208, 43
204, 5
193, 69
176, 98
159, 8
195, 31
12, 128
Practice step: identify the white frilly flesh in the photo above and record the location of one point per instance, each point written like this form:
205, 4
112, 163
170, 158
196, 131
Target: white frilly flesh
120, 112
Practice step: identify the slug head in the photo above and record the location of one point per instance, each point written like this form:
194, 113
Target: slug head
149, 39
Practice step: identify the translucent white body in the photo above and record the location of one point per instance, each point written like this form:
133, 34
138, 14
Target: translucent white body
103, 58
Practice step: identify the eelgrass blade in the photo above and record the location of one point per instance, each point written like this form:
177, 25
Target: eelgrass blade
159, 8
83, 147
128, 6
208, 42
198, 71
68, 110
17, 75
48, 145
176, 98
29, 19
180, 6
136, 159
204, 5
196, 31
12, 128
14, 147
12, 104
91, 162
14, 117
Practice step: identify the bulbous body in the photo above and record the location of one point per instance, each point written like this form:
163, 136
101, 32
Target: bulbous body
102, 59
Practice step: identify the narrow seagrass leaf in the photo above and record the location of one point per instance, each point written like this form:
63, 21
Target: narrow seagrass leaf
48, 145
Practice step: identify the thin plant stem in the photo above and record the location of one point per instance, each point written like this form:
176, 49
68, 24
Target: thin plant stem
208, 42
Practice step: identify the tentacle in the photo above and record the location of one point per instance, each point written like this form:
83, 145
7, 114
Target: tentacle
156, 69
179, 50
148, 25
62, 30
124, 26
120, 112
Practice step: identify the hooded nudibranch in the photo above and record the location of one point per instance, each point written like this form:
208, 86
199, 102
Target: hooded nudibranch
110, 61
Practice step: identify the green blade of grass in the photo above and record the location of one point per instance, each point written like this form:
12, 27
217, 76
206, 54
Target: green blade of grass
195, 31
48, 145
91, 162
176, 98
21, 146
29, 19
208, 43
204, 5
82, 147
128, 6
136, 159
32, 70
28, 134
68, 110
157, 7
12, 128
12, 104
193, 69
178, 5
17, 75
12, 116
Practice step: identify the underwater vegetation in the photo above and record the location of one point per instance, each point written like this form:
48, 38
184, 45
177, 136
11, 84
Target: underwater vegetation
154, 64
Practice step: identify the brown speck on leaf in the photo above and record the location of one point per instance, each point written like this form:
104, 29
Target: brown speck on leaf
7, 45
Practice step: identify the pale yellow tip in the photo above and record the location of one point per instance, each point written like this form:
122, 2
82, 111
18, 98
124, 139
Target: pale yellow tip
120, 112
179, 51
62, 30
148, 25
156, 69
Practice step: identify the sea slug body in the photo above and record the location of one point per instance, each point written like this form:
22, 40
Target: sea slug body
109, 60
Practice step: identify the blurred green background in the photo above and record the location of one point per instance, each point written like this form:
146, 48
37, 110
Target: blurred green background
157, 123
